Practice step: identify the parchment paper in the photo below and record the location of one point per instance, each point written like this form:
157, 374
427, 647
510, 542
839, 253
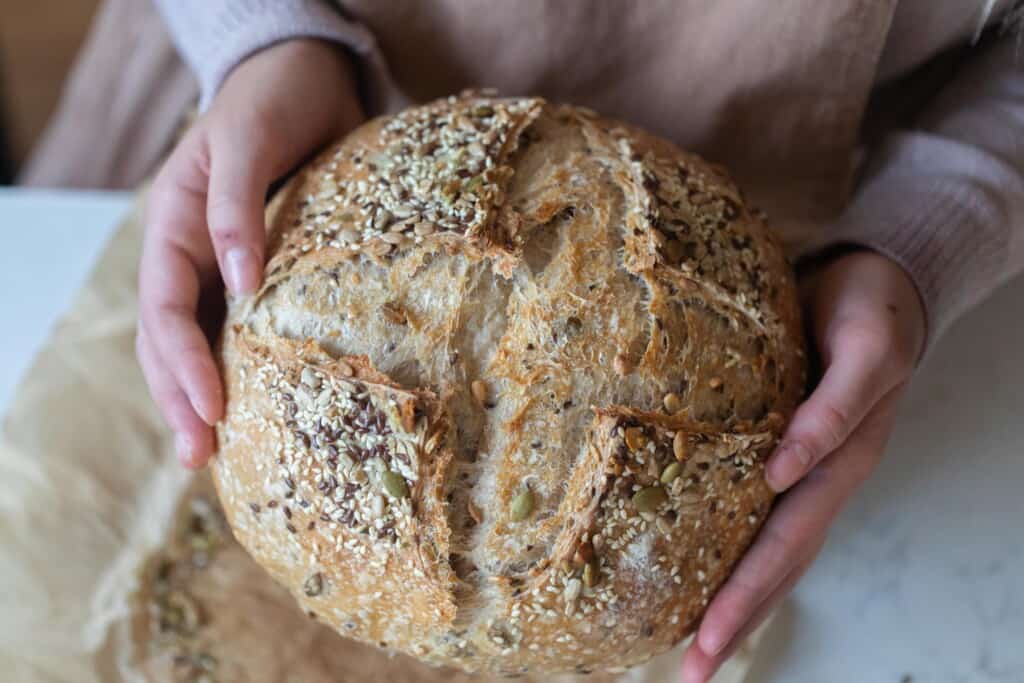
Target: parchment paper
89, 490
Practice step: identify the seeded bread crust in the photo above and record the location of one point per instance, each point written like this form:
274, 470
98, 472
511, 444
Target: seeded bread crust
504, 399
205, 612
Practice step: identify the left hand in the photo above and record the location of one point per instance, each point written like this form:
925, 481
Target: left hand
868, 326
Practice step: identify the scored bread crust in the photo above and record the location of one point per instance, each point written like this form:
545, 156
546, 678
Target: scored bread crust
504, 398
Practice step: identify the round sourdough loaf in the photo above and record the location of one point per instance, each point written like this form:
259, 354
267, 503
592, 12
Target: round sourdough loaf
504, 398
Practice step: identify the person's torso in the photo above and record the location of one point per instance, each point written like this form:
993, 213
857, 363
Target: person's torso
775, 91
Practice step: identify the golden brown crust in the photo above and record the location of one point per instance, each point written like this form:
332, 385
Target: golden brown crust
205, 612
488, 329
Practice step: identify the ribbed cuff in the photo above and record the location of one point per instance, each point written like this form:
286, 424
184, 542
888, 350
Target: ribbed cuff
214, 36
942, 210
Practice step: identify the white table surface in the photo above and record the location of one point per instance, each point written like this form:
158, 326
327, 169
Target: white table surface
922, 578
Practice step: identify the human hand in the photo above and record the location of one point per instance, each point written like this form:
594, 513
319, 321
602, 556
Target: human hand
868, 326
205, 217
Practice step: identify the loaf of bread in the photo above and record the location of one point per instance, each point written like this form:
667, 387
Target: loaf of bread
504, 398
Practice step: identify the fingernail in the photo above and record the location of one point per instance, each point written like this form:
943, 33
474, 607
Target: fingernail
183, 449
205, 413
240, 270
711, 642
787, 466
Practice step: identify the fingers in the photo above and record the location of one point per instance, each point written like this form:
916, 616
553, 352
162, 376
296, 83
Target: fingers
699, 666
783, 541
858, 375
241, 170
193, 437
794, 532
175, 253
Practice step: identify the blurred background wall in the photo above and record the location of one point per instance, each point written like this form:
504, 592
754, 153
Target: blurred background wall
92, 93
38, 43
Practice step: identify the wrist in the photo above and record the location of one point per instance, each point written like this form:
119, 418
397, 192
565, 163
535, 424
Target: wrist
331, 75
885, 292
300, 92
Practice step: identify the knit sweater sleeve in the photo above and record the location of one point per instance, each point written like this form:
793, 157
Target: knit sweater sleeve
214, 36
945, 199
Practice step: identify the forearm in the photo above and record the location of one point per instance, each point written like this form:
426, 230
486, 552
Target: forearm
214, 36
946, 199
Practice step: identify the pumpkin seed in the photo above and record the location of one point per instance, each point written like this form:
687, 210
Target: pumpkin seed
314, 585
394, 484
670, 473
649, 499
522, 505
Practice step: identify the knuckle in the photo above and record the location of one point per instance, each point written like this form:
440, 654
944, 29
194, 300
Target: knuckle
864, 338
225, 211
170, 310
833, 423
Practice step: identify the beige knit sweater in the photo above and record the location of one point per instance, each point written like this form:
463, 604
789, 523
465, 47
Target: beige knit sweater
876, 122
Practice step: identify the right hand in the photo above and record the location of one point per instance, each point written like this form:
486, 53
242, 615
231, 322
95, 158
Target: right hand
205, 217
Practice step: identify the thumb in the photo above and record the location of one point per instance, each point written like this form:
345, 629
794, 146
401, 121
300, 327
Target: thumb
858, 376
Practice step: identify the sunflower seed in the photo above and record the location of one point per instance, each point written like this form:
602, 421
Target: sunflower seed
479, 390
591, 574
635, 439
679, 448
672, 404
572, 590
